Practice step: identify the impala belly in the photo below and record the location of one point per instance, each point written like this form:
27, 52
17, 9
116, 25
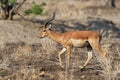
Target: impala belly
78, 43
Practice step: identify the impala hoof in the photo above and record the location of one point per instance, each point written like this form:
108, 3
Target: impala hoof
81, 67
61, 66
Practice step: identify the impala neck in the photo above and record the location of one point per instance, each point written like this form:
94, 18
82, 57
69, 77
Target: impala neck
55, 36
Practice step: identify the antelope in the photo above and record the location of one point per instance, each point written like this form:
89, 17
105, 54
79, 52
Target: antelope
70, 39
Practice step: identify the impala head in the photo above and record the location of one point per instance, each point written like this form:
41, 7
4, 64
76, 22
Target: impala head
46, 28
44, 32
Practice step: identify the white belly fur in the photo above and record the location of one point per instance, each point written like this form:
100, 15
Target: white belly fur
78, 43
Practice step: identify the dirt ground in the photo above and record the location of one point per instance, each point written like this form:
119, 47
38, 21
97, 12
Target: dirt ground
23, 56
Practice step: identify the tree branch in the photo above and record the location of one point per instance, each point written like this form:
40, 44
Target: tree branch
15, 8
19, 5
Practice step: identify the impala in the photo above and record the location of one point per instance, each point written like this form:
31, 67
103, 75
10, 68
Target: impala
89, 39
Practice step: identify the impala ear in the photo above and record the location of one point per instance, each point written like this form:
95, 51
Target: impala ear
49, 27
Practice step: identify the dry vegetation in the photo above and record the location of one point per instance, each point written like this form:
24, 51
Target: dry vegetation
20, 61
23, 56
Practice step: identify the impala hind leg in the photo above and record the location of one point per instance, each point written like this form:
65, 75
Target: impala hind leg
101, 52
96, 46
90, 52
88, 59
59, 56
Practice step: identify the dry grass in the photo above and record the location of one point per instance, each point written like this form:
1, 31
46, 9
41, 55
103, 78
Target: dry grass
39, 61
111, 68
20, 61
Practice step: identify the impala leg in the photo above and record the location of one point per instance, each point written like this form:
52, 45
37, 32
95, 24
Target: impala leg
102, 53
68, 55
88, 59
96, 46
90, 52
99, 50
59, 56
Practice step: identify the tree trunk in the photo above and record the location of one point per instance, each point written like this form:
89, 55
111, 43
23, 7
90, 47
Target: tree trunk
4, 10
8, 11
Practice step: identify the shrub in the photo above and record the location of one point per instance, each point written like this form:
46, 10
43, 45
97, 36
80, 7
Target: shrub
36, 9
11, 2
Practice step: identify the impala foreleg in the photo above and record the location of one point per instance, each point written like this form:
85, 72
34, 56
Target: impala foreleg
88, 59
68, 55
59, 56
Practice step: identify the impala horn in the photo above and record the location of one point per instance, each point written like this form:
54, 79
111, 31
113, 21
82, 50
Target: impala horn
46, 23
